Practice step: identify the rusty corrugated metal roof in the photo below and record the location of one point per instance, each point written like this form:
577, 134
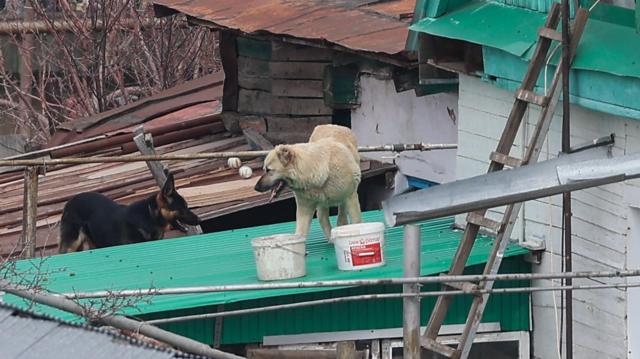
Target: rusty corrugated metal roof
369, 26
204, 89
210, 187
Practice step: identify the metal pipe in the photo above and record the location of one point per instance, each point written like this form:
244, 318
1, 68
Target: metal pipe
350, 283
118, 321
389, 296
47, 151
566, 148
202, 155
411, 305
566, 173
408, 147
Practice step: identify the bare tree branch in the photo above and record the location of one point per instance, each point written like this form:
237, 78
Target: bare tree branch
110, 53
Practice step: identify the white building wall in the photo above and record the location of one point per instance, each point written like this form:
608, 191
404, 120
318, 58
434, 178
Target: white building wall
600, 218
633, 295
386, 116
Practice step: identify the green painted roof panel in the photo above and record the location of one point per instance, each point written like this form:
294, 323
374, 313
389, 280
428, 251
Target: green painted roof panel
485, 23
514, 30
227, 258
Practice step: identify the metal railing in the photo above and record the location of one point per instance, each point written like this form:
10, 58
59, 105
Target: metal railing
33, 167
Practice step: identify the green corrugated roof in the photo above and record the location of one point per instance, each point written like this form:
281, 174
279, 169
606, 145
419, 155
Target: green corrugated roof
227, 258
605, 46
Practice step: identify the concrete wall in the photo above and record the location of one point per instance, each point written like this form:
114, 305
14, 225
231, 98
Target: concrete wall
601, 222
386, 116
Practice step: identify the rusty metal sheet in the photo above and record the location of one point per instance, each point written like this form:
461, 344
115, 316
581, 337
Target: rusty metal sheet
344, 23
401, 9
205, 89
132, 181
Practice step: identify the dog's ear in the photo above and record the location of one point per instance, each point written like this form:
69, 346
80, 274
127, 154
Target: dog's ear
285, 155
169, 186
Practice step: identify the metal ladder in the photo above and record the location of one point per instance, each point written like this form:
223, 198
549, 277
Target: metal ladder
499, 159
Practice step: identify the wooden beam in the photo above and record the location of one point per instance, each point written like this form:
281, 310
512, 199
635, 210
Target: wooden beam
256, 141
281, 51
298, 70
254, 102
250, 67
144, 142
264, 103
304, 124
30, 212
229, 58
297, 88
254, 48
254, 83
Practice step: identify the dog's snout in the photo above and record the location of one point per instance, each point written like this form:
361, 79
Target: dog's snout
192, 219
260, 186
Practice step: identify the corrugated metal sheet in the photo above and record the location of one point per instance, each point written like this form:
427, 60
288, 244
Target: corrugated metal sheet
511, 311
23, 335
227, 258
185, 119
514, 30
370, 26
204, 89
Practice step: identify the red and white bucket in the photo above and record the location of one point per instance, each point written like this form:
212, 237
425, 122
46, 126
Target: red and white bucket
359, 246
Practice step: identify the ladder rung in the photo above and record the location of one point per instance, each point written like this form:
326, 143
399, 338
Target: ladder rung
532, 97
550, 34
439, 348
505, 159
481, 220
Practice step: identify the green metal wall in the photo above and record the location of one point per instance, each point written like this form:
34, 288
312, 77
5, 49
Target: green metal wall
594, 90
511, 310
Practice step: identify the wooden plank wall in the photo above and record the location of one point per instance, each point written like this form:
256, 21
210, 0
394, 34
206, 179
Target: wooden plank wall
283, 85
600, 218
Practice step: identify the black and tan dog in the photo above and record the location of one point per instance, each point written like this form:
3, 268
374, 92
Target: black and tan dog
100, 222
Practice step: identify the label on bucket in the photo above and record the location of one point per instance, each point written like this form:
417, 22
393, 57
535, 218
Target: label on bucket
366, 254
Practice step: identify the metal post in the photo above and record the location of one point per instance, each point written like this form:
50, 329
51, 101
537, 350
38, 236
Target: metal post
30, 212
411, 305
566, 148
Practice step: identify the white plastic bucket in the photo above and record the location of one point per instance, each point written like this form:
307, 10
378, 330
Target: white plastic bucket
280, 256
359, 246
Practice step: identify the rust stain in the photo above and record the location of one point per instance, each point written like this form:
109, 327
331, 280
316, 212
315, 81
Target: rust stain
401, 9
380, 27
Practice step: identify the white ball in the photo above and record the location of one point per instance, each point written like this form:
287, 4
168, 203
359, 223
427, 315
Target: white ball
245, 172
234, 162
